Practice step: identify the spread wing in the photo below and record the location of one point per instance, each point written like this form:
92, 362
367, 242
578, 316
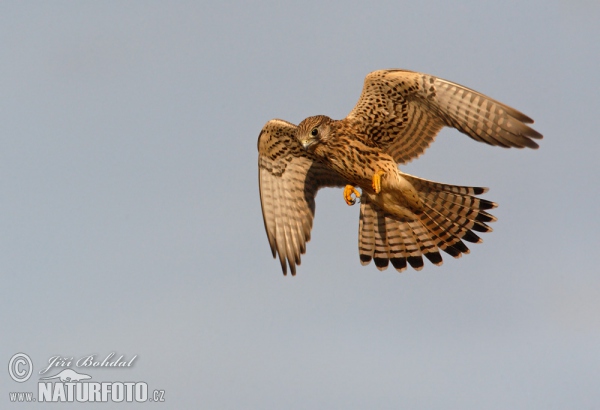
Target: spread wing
402, 112
289, 179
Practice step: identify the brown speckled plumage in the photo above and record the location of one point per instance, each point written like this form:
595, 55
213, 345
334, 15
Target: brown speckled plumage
398, 115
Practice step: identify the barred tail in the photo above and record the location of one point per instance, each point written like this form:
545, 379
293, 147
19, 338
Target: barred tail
450, 215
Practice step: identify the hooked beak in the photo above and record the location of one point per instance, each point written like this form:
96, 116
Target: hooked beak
306, 144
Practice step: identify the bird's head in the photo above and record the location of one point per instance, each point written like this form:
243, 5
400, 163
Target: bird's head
313, 131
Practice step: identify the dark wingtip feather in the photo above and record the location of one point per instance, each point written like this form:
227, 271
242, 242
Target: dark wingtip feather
530, 143
527, 133
531, 133
283, 265
520, 116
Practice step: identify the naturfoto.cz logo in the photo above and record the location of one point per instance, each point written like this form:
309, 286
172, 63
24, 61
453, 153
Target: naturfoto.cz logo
69, 385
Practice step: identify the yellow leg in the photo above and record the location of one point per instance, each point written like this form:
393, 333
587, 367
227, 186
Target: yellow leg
377, 180
348, 191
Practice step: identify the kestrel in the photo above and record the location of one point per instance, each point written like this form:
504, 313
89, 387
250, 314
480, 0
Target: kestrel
402, 217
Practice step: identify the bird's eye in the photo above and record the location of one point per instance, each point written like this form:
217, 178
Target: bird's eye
314, 132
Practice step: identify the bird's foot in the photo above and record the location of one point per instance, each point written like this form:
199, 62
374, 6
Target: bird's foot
377, 180
348, 191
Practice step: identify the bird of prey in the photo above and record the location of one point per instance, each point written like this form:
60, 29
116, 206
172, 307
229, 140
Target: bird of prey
402, 217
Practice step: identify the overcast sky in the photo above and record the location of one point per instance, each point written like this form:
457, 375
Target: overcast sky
130, 217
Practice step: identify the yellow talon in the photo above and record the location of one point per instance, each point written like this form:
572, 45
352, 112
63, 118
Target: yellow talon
377, 180
348, 191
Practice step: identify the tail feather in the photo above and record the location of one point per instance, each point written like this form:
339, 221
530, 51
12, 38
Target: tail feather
366, 232
450, 228
384, 239
382, 247
449, 217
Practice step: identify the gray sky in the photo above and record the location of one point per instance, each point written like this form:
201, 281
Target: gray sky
131, 221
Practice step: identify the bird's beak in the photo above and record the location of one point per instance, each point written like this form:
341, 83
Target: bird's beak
307, 143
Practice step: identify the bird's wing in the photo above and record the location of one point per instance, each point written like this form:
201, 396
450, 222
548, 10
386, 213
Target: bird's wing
289, 179
402, 111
